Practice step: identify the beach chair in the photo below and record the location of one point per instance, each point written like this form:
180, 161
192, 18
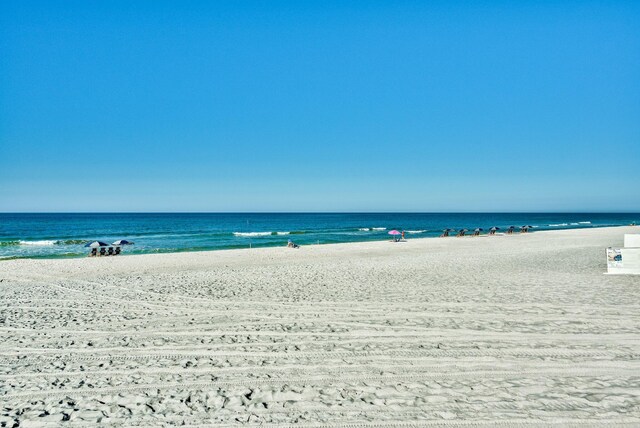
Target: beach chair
510, 230
117, 251
110, 251
476, 232
93, 252
445, 233
103, 251
461, 232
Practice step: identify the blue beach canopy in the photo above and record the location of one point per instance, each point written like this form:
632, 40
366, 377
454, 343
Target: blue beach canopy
96, 244
122, 242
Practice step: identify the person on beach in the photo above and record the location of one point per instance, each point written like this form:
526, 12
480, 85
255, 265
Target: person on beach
403, 235
292, 244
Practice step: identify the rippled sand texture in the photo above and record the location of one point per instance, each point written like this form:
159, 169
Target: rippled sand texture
524, 330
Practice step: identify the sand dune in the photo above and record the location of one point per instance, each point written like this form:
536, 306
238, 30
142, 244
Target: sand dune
520, 330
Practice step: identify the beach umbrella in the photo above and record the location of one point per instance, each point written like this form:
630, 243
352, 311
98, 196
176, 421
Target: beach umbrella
122, 242
447, 230
494, 228
463, 230
394, 232
96, 244
478, 229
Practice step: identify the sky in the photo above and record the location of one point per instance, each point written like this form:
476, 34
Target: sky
272, 106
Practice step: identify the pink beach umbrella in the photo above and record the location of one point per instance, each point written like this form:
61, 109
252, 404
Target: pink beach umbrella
394, 232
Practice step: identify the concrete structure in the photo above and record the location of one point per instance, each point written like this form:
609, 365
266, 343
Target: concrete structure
625, 260
632, 241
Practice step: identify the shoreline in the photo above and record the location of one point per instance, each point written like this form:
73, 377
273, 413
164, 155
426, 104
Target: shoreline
408, 238
282, 254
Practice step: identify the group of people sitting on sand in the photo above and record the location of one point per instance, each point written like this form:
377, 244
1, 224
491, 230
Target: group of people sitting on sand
105, 251
99, 248
492, 231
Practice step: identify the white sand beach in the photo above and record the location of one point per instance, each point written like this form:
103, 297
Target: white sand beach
521, 330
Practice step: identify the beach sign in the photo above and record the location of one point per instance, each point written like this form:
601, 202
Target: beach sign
614, 258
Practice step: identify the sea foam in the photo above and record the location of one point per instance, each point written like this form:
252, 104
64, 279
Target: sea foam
39, 243
249, 234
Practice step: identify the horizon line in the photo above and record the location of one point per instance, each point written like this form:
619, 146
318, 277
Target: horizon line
320, 212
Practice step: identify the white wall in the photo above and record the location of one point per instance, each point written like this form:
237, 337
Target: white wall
632, 241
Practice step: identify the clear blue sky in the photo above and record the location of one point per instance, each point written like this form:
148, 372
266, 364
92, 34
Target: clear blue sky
319, 106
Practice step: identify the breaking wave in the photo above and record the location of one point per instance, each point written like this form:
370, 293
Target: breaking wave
283, 233
39, 243
415, 231
44, 242
249, 234
570, 224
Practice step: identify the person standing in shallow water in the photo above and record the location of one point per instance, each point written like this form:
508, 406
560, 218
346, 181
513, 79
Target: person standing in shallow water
403, 235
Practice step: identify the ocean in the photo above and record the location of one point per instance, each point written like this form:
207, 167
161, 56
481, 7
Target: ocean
64, 235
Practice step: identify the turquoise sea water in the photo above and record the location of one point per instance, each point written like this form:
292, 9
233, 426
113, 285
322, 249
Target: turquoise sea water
63, 235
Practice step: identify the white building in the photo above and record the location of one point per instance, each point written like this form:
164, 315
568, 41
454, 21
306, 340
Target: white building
625, 260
